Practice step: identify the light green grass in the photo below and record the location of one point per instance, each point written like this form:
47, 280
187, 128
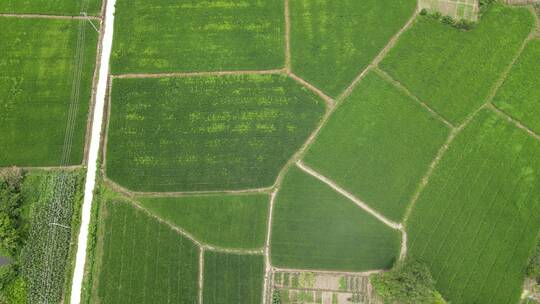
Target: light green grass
232, 221
519, 96
173, 36
51, 7
378, 145
232, 279
477, 221
453, 71
144, 261
314, 227
206, 133
37, 64
333, 41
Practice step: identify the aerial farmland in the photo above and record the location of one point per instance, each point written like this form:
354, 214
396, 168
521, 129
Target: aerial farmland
270, 151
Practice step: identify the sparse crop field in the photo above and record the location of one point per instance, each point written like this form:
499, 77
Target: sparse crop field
314, 227
520, 94
187, 36
206, 133
454, 71
56, 7
333, 41
144, 261
377, 145
38, 64
477, 221
232, 278
231, 221
457, 9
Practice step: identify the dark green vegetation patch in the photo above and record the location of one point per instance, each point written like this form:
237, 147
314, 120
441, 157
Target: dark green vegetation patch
144, 261
314, 227
232, 221
36, 89
206, 133
333, 41
378, 145
51, 7
232, 278
520, 94
453, 71
173, 36
477, 221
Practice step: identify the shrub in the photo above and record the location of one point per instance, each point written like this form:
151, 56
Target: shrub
448, 20
408, 282
533, 270
276, 297
424, 12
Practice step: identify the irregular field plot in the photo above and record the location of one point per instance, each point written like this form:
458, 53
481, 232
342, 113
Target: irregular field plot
144, 261
51, 7
314, 227
333, 41
477, 220
185, 35
232, 278
520, 94
451, 70
37, 64
232, 221
378, 145
206, 133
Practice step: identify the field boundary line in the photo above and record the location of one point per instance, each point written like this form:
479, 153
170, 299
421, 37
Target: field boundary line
514, 121
45, 16
219, 249
379, 56
105, 132
327, 272
201, 274
351, 197
329, 100
51, 168
316, 289
267, 261
404, 89
197, 74
288, 62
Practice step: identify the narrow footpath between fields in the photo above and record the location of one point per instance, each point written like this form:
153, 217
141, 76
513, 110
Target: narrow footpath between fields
106, 45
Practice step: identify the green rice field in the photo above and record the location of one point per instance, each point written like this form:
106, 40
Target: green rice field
478, 219
378, 145
51, 7
314, 227
520, 94
231, 221
454, 71
36, 83
142, 260
232, 278
333, 41
186, 36
206, 133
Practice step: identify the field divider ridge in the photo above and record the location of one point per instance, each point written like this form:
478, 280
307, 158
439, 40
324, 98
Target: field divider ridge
51, 168
329, 100
515, 122
197, 74
287, 37
327, 272
201, 274
45, 16
348, 195
267, 261
404, 89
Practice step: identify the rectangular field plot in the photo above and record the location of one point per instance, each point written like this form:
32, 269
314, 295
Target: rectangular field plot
186, 36
232, 278
231, 221
206, 133
333, 41
457, 9
378, 145
477, 220
41, 63
143, 261
520, 94
51, 7
315, 227
454, 71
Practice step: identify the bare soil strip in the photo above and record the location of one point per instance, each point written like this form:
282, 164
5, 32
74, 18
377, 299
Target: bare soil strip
267, 262
404, 249
329, 101
351, 197
329, 272
517, 123
401, 87
199, 74
43, 16
234, 251
53, 168
380, 56
201, 274
287, 37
